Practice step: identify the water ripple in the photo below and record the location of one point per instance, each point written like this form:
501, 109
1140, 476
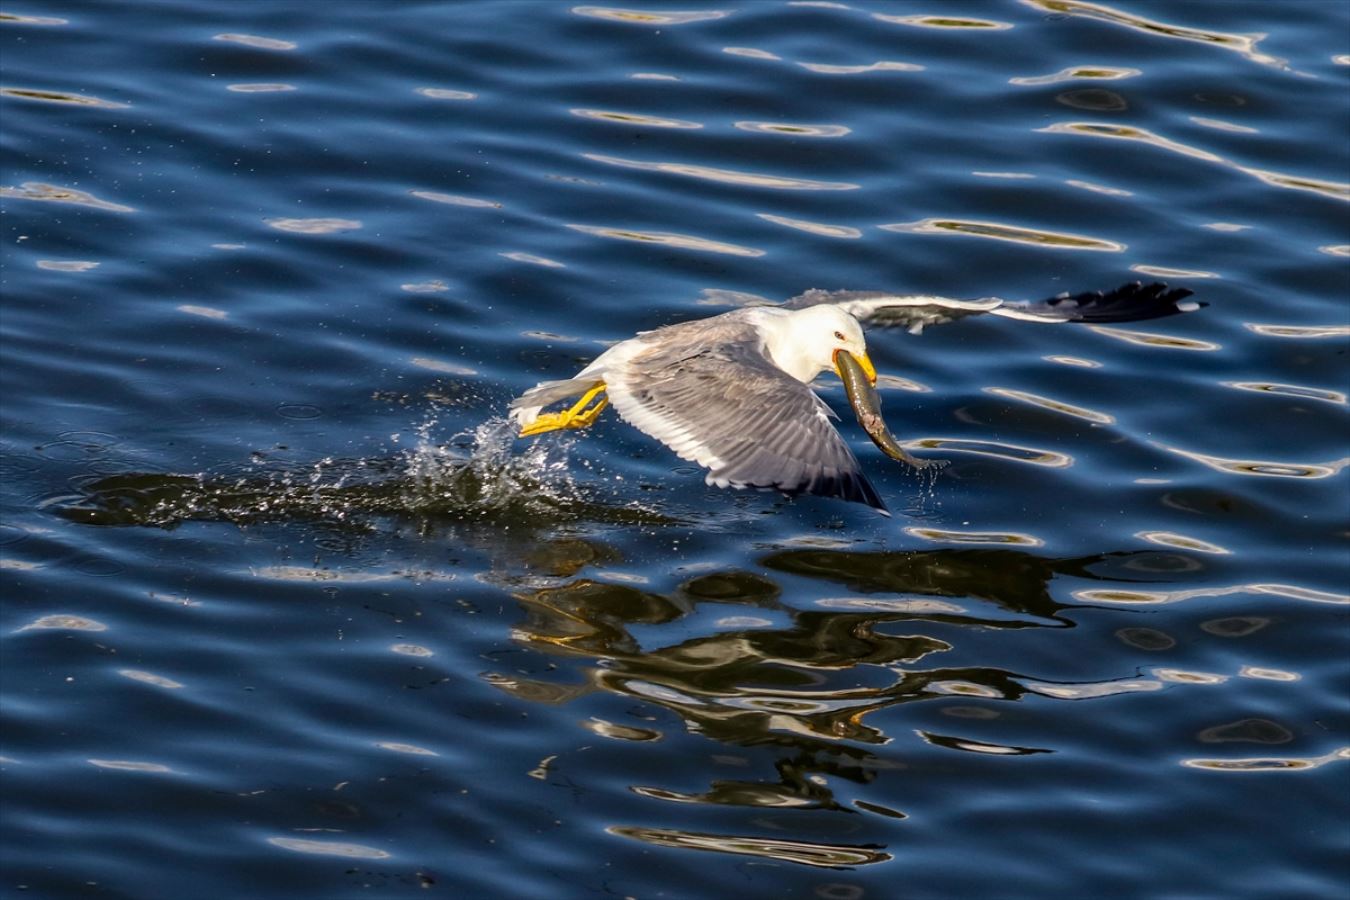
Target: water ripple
15, 19
907, 606
66, 265
634, 119
1170, 273
436, 93
1246, 731
881, 66
1289, 390
724, 297
727, 176
532, 259
1092, 690
128, 765
1154, 598
261, 87
1244, 44
1266, 674
795, 130
649, 17
973, 746
206, 312
1078, 412
944, 22
1098, 188
1268, 763
328, 848
1011, 452
1220, 125
456, 199
255, 41
1149, 339
425, 287
150, 678
410, 749
1181, 676
313, 226
835, 231
808, 853
750, 52
1181, 542
686, 241
1108, 73
1093, 99
617, 732
1333, 189
46, 96
1002, 232
442, 366
1236, 626
1299, 331
1263, 468
895, 382
50, 193
946, 536
59, 622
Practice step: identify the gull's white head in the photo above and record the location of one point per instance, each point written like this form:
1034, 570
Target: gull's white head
809, 339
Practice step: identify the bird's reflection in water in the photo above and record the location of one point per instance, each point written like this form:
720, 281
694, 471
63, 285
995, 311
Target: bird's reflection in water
802, 680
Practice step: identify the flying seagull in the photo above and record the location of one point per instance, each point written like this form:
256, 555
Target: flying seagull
732, 392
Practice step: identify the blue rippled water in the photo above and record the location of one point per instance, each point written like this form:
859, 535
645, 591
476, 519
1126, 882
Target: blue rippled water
286, 610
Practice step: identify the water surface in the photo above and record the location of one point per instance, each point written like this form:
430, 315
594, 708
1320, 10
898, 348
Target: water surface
287, 608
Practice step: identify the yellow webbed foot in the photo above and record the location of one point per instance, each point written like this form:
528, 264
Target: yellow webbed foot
576, 417
545, 422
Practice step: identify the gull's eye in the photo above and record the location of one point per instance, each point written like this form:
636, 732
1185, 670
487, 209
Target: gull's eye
839, 335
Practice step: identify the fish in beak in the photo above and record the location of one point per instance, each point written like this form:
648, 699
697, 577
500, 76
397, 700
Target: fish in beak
859, 377
864, 362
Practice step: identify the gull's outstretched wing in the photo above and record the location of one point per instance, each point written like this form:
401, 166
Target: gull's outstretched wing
1131, 302
706, 390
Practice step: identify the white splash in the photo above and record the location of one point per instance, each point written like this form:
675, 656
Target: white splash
481, 468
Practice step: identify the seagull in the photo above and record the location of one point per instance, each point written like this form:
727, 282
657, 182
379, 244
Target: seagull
732, 392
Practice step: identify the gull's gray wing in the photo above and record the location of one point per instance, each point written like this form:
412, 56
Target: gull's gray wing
707, 391
1131, 302
887, 310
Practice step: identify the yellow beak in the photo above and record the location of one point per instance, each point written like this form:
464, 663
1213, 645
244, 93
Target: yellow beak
865, 361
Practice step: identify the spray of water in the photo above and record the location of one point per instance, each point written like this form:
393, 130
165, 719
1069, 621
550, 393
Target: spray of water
481, 470
483, 475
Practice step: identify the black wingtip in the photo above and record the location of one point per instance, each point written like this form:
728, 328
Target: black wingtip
1133, 302
851, 486
855, 487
